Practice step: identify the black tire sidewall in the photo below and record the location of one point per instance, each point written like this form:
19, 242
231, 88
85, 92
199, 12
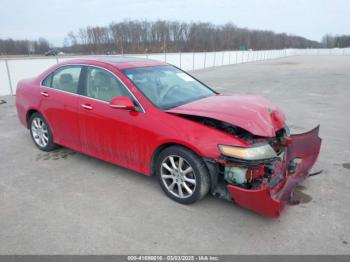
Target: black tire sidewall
200, 171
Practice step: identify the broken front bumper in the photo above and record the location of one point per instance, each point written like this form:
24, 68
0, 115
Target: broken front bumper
270, 199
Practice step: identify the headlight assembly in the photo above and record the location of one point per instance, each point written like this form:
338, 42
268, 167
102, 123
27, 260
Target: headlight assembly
256, 152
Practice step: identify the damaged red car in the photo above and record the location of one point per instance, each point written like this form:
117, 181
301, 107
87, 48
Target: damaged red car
154, 118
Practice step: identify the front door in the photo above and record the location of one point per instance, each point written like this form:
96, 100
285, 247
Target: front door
108, 133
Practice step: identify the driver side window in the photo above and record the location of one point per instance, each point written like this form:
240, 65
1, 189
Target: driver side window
103, 85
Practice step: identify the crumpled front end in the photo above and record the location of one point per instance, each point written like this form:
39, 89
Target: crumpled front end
265, 187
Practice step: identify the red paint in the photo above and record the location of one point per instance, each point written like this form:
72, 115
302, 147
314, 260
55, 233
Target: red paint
259, 200
122, 102
270, 201
130, 138
126, 138
252, 113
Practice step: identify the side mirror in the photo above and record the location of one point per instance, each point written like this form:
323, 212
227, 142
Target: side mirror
122, 102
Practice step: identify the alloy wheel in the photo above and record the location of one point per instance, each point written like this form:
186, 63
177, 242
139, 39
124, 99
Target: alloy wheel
178, 176
40, 132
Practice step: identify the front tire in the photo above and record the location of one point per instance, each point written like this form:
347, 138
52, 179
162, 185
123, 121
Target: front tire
182, 175
41, 133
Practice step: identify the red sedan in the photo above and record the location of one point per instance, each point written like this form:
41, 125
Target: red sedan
154, 118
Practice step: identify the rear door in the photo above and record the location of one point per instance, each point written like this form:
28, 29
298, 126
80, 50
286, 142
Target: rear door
59, 104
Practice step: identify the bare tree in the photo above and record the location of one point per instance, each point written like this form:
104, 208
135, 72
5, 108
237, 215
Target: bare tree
134, 36
23, 47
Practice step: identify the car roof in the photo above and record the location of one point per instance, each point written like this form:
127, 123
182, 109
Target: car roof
120, 62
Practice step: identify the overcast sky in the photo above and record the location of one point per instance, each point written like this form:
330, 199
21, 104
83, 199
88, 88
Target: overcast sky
53, 19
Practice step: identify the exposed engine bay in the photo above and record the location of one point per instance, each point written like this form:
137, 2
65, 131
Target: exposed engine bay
262, 184
226, 127
248, 175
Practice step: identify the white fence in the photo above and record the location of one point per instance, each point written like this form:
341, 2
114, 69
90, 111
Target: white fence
14, 69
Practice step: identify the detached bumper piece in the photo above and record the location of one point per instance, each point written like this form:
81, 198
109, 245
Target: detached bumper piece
270, 199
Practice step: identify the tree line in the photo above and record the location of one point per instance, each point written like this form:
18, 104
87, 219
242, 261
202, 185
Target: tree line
330, 41
23, 47
135, 36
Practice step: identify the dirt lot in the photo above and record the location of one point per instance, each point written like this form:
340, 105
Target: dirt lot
66, 202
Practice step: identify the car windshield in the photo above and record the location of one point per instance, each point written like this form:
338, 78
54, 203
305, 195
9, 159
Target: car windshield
166, 86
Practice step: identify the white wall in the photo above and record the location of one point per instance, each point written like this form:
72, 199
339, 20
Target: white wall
4, 81
25, 67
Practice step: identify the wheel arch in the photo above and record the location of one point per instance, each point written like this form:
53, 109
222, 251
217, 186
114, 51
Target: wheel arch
29, 114
32, 111
163, 146
210, 164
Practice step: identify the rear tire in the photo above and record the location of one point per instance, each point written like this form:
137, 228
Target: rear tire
182, 175
41, 133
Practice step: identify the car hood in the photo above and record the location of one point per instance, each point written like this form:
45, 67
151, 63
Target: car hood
252, 113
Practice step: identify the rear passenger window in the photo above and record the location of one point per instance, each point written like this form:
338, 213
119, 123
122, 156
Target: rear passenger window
67, 79
47, 81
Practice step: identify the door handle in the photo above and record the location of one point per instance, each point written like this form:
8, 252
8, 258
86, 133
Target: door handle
44, 94
86, 106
